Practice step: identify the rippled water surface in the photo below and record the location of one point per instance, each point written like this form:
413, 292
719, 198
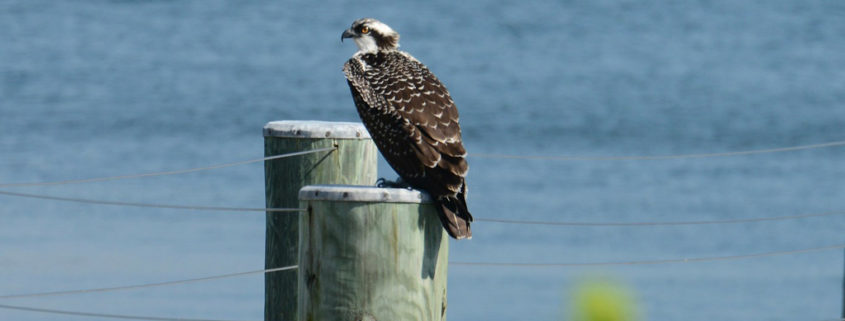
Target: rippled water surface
100, 88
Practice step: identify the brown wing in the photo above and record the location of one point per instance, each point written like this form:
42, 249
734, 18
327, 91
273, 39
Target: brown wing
412, 119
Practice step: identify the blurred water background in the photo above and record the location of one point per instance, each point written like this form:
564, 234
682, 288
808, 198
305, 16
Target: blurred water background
98, 88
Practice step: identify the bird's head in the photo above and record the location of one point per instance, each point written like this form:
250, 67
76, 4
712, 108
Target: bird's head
371, 35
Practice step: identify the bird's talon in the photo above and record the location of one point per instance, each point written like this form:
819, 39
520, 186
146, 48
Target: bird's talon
399, 183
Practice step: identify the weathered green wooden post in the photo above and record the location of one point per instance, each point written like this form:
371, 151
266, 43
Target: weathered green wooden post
371, 253
353, 162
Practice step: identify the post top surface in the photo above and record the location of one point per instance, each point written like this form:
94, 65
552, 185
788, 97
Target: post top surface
357, 193
315, 129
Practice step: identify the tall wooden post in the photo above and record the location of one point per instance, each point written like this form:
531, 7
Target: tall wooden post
371, 253
353, 162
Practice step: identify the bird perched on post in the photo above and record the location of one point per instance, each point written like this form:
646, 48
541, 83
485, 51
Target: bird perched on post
411, 118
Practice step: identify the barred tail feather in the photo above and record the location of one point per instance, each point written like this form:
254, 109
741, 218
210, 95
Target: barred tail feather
455, 216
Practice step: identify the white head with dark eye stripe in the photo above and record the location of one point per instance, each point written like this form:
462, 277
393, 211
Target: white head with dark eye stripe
372, 35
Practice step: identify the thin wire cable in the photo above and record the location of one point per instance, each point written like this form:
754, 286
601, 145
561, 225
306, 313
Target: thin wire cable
651, 262
578, 264
670, 223
662, 157
151, 205
146, 285
101, 315
490, 220
173, 172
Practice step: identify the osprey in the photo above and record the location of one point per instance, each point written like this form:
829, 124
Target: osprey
411, 118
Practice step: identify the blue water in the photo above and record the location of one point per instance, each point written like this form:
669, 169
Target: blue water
99, 88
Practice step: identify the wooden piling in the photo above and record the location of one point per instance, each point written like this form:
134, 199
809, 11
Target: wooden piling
371, 253
353, 162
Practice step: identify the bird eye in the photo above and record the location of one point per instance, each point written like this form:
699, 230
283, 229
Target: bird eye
365, 30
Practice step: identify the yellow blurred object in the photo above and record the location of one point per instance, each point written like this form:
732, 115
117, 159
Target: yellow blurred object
603, 300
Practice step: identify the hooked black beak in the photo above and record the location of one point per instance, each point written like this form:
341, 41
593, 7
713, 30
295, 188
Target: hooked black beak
348, 33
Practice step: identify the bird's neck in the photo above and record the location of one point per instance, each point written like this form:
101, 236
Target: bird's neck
377, 52
366, 44
369, 44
